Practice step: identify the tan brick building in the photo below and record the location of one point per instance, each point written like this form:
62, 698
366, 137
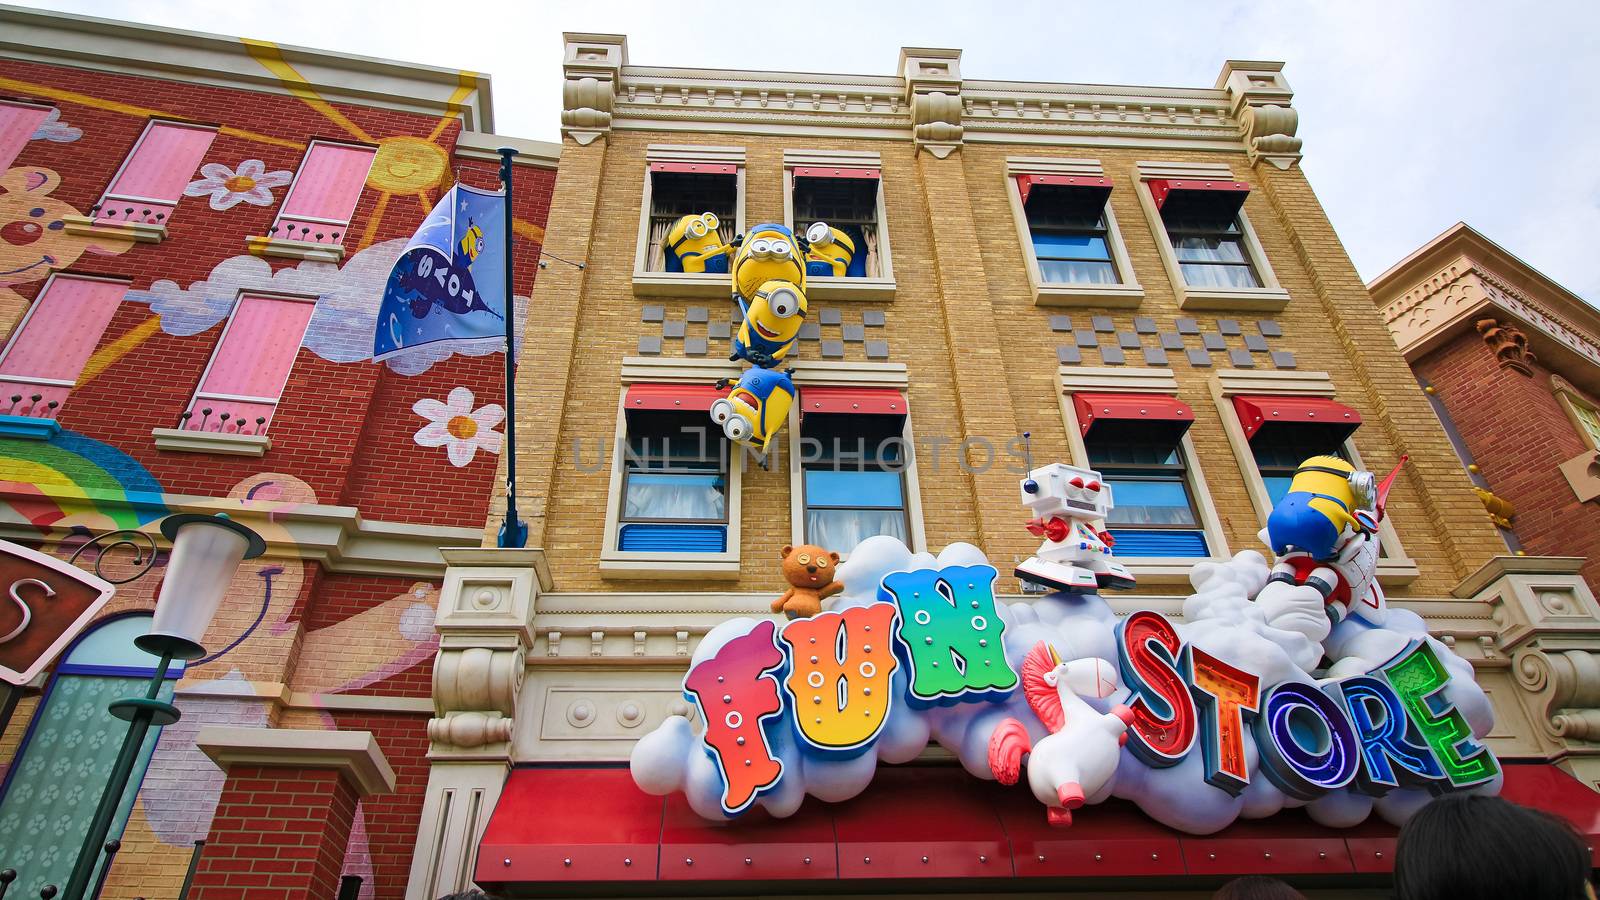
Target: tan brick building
1139, 278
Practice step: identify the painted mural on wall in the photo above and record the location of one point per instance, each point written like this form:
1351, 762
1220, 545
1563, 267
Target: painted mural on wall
1248, 706
249, 182
33, 237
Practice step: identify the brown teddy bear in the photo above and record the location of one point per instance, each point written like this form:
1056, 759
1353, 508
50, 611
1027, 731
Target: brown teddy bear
809, 570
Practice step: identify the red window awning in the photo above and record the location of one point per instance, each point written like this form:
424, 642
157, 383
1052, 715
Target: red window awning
696, 168
1197, 197
555, 828
834, 172
1257, 412
1094, 408
685, 397
861, 400
1026, 183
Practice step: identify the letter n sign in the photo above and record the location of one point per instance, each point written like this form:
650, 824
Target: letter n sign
46, 603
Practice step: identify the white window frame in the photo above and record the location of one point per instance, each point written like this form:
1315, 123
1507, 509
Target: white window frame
1270, 297
144, 232
649, 565
1570, 399
198, 395
1118, 380
27, 314
1126, 294
331, 223
829, 373
834, 287
25, 104
1394, 567
684, 284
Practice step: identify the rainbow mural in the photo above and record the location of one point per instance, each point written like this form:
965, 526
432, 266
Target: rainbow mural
73, 476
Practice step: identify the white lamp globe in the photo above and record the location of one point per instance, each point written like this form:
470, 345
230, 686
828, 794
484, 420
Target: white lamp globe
206, 551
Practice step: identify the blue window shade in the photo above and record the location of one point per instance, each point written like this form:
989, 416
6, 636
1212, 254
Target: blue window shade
845, 487
1153, 542
1277, 486
673, 538
1056, 245
1149, 502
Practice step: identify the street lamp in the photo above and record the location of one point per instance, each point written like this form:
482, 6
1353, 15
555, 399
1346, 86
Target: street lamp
206, 550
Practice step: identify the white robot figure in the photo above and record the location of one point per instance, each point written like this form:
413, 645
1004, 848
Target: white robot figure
1068, 504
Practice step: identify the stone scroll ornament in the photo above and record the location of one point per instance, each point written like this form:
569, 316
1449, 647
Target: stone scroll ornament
1248, 706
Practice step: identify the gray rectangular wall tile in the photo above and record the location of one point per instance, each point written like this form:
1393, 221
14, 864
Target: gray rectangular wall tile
1068, 355
650, 346
1213, 341
1144, 324
872, 318
1112, 356
652, 313
1155, 356
877, 349
1241, 359
1170, 341
1199, 358
1283, 359
1060, 323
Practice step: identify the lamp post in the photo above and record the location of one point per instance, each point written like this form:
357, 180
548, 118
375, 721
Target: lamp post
206, 550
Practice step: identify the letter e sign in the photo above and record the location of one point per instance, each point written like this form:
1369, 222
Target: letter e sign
44, 604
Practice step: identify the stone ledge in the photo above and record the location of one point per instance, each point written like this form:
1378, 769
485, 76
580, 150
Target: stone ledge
179, 440
1258, 300
138, 232
681, 284
285, 248
354, 754
830, 287
1088, 296
1500, 566
29, 428
668, 567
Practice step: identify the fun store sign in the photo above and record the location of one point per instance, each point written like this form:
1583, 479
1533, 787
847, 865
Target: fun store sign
1188, 720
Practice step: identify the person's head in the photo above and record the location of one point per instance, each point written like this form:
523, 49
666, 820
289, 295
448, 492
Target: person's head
467, 895
1467, 847
1257, 887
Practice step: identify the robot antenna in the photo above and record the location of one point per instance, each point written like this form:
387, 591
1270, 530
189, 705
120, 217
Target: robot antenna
1028, 484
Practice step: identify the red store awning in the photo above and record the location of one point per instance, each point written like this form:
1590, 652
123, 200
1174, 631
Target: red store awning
1185, 197
834, 172
1098, 184
1257, 412
695, 168
1093, 408
859, 400
556, 827
685, 397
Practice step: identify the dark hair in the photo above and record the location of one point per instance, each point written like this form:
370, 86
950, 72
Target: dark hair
467, 895
1467, 847
1257, 887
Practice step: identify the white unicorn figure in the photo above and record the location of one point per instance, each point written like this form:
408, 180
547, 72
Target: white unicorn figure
1080, 754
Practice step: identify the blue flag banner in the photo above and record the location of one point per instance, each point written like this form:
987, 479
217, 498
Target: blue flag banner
447, 289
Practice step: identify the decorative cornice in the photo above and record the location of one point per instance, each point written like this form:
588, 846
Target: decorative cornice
154, 52
929, 101
355, 754
335, 536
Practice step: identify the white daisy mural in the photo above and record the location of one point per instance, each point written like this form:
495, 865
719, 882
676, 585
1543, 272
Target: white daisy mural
249, 183
457, 427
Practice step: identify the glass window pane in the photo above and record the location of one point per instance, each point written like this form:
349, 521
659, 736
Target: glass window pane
56, 783
1590, 420
841, 530
878, 489
1228, 276
1208, 248
663, 496
1058, 245
1058, 271
1277, 486
1149, 503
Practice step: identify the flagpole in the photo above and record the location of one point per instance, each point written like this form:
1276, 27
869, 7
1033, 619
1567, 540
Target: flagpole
513, 533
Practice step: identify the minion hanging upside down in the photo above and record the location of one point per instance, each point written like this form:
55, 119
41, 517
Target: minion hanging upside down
769, 252
1324, 533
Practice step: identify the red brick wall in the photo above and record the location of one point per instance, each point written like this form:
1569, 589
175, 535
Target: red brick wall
1518, 435
278, 833
391, 819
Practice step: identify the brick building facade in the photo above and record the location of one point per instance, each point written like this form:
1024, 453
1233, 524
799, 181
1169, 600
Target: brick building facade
1032, 267
194, 235
1511, 362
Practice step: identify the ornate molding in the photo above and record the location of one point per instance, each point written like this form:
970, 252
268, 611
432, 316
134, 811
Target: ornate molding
485, 625
1259, 98
933, 90
1429, 312
592, 70
1508, 344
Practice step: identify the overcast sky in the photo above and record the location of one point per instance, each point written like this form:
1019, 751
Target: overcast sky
1414, 115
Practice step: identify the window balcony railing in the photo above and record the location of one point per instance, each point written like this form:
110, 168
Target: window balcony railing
309, 229
122, 209
228, 414
36, 398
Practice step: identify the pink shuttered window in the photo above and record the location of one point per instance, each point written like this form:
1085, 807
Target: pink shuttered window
152, 178
47, 352
18, 122
324, 193
242, 384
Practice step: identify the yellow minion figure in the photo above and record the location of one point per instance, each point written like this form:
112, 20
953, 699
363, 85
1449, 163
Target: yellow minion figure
830, 250
755, 410
471, 243
767, 252
771, 324
1326, 496
695, 242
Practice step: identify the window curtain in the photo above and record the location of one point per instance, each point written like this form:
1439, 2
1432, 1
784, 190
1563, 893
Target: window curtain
655, 254
842, 529
56, 784
869, 237
673, 497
